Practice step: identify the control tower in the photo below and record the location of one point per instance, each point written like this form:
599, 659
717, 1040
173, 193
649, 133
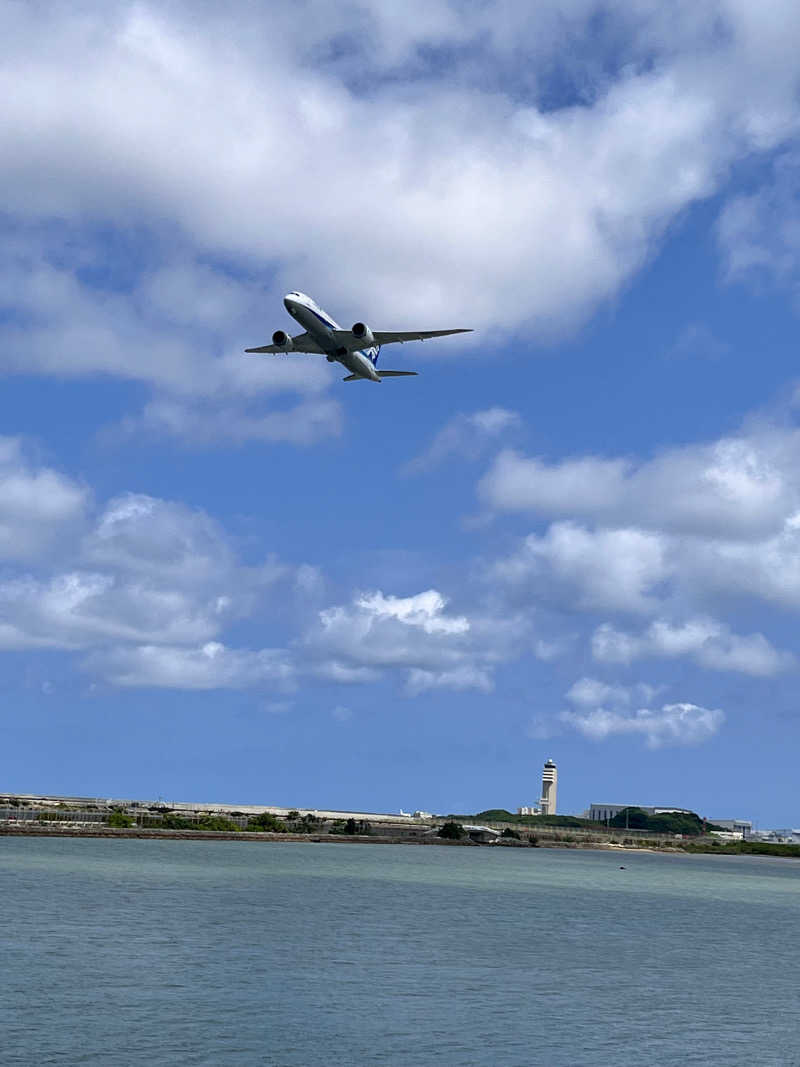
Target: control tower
549, 786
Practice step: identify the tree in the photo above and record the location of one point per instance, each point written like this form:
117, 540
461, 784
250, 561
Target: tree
174, 822
452, 831
686, 823
218, 823
120, 820
266, 822
631, 819
508, 832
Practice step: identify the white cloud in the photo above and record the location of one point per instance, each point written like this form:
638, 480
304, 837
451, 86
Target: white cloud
334, 670
708, 642
146, 591
541, 727
526, 216
357, 642
680, 534
673, 724
205, 424
590, 691
466, 676
759, 233
466, 437
206, 389
425, 610
767, 570
547, 650
212, 666
601, 570
80, 608
38, 506
142, 534
740, 486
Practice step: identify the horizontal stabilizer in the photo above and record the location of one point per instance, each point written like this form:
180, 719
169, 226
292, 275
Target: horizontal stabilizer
382, 374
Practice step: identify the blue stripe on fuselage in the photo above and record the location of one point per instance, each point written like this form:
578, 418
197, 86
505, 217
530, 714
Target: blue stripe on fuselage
369, 353
323, 320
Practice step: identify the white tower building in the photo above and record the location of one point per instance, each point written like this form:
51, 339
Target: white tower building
549, 786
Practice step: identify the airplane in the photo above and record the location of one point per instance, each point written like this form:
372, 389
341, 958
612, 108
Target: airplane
356, 349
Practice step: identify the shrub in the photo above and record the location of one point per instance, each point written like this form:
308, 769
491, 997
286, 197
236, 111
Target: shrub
351, 827
175, 822
266, 822
217, 823
452, 831
120, 820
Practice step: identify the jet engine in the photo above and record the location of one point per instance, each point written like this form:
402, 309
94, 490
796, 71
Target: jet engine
282, 340
363, 333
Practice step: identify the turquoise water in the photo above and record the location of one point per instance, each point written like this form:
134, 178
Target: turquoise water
298, 955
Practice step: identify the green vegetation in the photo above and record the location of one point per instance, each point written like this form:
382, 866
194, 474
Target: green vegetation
452, 831
217, 823
351, 827
501, 815
120, 820
689, 824
741, 848
268, 823
508, 832
686, 823
163, 818
304, 824
173, 822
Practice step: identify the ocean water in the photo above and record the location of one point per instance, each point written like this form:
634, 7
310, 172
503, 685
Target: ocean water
297, 955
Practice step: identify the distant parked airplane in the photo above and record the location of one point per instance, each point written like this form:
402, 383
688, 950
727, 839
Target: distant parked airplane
357, 349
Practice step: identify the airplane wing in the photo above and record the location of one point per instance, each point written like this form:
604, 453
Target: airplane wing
302, 343
346, 339
384, 338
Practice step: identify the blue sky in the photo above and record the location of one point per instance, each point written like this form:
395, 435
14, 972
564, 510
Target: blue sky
576, 535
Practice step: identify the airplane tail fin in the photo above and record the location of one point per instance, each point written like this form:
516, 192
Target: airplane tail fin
373, 354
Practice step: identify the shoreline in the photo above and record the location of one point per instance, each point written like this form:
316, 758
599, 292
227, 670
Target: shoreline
119, 833
353, 839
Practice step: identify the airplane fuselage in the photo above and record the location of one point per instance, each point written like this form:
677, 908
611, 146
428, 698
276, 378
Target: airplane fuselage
320, 326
